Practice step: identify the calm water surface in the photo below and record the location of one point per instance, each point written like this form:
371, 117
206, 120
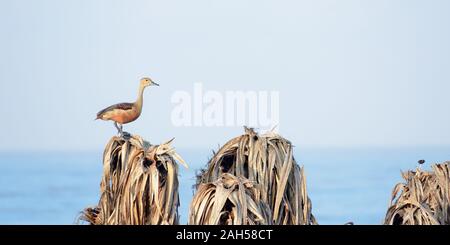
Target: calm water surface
343, 184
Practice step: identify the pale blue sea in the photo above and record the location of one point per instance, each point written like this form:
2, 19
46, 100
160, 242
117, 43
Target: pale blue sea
343, 184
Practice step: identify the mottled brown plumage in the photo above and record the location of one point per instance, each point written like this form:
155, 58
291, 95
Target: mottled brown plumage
123, 113
121, 106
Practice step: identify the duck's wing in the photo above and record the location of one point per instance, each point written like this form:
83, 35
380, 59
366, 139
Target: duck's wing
120, 106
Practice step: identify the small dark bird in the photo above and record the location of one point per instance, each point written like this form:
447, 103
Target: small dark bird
421, 162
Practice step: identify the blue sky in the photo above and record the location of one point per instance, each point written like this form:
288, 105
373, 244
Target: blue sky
349, 73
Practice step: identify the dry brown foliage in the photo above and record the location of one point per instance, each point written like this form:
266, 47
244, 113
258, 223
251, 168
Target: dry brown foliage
423, 199
229, 201
139, 184
265, 160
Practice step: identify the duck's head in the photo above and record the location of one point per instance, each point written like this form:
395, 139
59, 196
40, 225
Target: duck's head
145, 82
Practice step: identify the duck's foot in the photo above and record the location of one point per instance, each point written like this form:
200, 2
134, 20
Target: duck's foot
125, 135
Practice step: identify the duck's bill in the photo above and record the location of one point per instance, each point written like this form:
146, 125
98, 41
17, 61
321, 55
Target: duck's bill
153, 83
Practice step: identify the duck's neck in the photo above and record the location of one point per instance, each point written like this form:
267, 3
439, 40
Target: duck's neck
140, 98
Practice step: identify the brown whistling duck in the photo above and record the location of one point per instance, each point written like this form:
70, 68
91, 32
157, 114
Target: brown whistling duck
123, 113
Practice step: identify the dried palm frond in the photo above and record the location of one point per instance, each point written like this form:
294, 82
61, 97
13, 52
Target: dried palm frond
139, 184
266, 160
230, 200
423, 199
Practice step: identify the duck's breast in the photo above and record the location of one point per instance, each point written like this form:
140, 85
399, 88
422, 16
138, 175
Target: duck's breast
125, 116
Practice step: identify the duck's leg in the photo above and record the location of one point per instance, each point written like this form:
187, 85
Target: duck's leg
119, 129
122, 133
